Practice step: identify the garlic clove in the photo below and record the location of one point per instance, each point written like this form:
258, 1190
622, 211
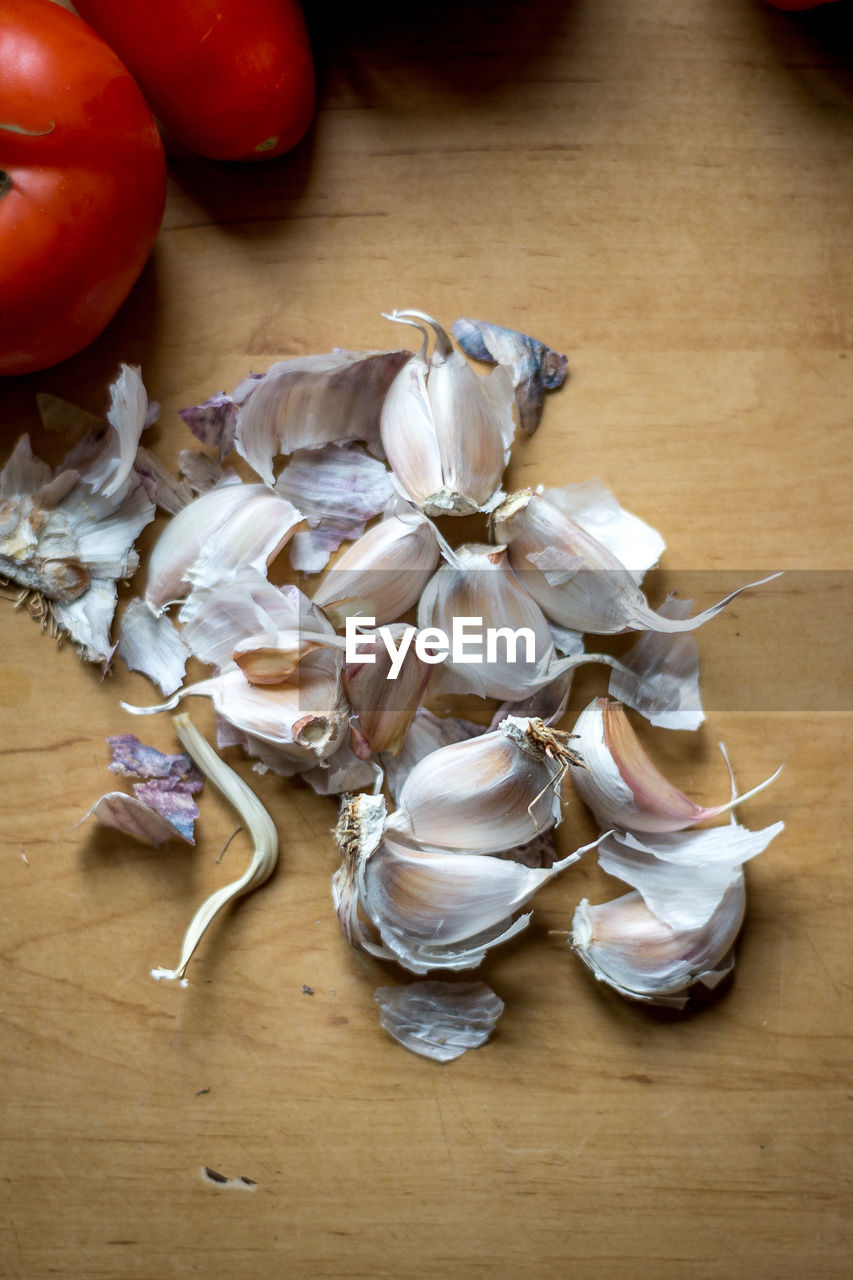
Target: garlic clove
232, 527
627, 947
431, 910
485, 794
385, 694
426, 734
621, 784
219, 620
445, 430
635, 544
517, 656
575, 579
381, 575
683, 875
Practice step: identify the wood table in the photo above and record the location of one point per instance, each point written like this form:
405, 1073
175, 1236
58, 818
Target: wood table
663, 192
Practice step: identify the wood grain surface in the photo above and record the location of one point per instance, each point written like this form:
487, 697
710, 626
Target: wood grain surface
662, 191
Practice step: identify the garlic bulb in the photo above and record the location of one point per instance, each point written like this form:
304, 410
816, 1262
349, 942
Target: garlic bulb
445, 430
431, 910
575, 579
641, 957
621, 784
381, 575
485, 794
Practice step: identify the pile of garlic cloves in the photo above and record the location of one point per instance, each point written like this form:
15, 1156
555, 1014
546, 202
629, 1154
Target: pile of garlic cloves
308, 577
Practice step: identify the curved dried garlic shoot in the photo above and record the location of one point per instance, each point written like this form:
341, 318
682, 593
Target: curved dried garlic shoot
256, 819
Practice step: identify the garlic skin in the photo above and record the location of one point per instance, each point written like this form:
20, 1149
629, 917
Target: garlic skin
533, 367
439, 1020
313, 401
232, 527
621, 784
485, 794
445, 430
641, 957
381, 575
431, 910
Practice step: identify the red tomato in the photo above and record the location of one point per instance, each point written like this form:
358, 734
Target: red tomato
82, 184
229, 79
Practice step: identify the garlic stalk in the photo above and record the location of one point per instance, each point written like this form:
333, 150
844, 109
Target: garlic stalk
255, 818
641, 957
381, 575
621, 784
432, 910
446, 431
575, 579
486, 794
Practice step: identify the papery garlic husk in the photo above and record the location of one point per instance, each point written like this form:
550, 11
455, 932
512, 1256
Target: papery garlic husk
575, 579
446, 431
431, 910
384, 705
305, 718
312, 401
439, 1020
480, 585
534, 368
486, 794
153, 646
631, 950
232, 527
621, 784
383, 573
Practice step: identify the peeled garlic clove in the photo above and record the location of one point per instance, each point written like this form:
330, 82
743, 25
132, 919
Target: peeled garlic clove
485, 794
631, 950
232, 527
313, 401
439, 1020
621, 784
268, 660
445, 430
513, 653
385, 703
382, 574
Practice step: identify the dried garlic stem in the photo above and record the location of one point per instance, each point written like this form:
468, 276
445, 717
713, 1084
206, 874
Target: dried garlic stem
255, 818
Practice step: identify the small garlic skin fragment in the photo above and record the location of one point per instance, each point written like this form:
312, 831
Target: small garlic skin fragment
445, 430
382, 574
315, 400
486, 794
534, 367
439, 1020
133, 817
337, 490
621, 784
631, 950
659, 675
